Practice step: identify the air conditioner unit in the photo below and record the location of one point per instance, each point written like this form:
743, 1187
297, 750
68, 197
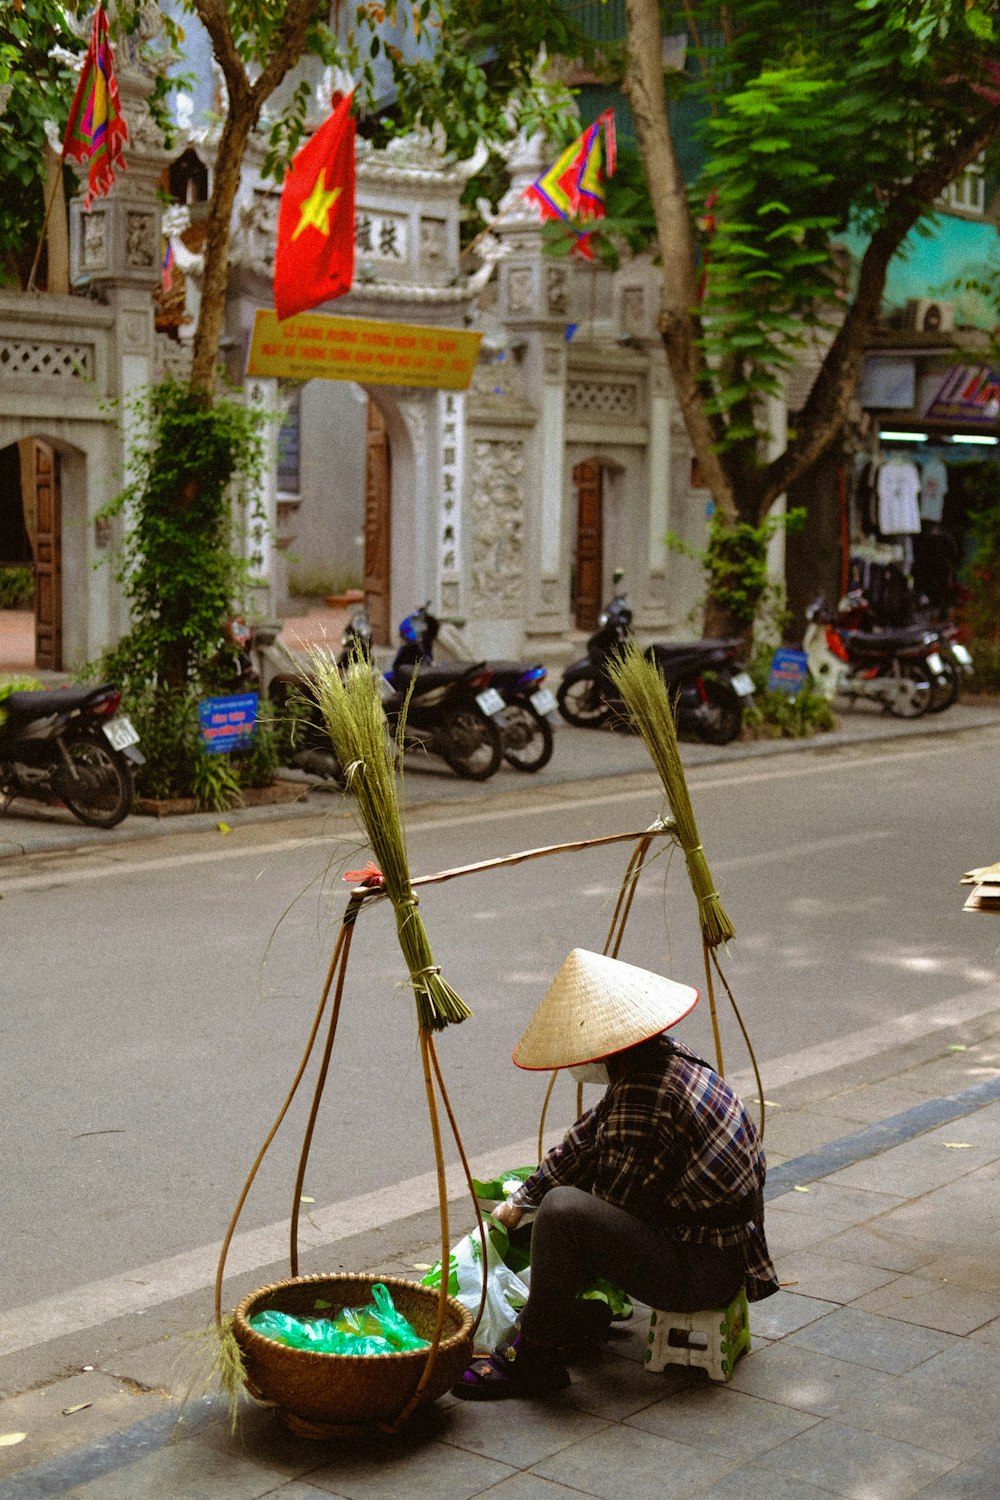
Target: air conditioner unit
927, 315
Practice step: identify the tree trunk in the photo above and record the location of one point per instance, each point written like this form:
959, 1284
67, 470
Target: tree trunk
215, 278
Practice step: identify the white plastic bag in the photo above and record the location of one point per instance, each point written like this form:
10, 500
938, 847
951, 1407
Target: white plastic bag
506, 1292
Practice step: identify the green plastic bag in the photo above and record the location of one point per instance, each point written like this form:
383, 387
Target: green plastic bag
376, 1329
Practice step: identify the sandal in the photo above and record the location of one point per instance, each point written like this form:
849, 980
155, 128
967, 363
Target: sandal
518, 1370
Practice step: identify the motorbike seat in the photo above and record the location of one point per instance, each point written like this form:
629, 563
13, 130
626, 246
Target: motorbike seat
38, 705
884, 642
690, 648
434, 674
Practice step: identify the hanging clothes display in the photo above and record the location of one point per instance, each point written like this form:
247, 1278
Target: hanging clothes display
933, 488
898, 496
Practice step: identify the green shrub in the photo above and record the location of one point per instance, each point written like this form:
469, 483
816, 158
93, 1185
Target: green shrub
17, 587
776, 716
985, 667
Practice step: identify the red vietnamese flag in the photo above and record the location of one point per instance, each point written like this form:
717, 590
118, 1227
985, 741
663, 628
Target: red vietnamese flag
314, 259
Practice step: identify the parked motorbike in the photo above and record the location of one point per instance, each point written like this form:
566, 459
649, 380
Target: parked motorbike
705, 679
234, 662
528, 705
856, 612
451, 713
899, 669
69, 745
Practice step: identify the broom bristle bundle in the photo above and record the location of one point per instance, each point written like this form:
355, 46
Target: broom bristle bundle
355, 719
644, 692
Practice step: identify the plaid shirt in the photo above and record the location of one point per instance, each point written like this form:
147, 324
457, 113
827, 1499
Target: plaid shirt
671, 1143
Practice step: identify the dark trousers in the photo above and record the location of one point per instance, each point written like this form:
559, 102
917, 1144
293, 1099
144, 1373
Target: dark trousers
577, 1237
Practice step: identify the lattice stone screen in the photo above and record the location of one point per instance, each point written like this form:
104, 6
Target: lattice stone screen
49, 360
603, 398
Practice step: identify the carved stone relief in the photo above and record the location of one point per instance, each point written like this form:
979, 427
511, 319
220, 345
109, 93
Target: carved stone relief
556, 291
497, 514
140, 247
134, 331
520, 289
554, 364
634, 310
95, 242
433, 240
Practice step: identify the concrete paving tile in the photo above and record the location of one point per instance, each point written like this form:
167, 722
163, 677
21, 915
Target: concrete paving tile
185, 1471
720, 1420
932, 1304
615, 1390
526, 1487
810, 1382
758, 1482
978, 1273
965, 1482
829, 1279
857, 1465
916, 1167
541, 1429
875, 1245
639, 1464
876, 1343
796, 1132
434, 1471
832, 1201
988, 1334
960, 1218
787, 1232
784, 1312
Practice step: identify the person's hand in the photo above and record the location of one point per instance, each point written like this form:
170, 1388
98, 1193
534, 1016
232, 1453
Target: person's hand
508, 1214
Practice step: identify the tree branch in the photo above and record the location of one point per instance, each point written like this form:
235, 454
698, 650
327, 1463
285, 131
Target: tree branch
213, 16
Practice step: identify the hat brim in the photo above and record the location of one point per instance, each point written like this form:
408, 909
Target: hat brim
596, 1007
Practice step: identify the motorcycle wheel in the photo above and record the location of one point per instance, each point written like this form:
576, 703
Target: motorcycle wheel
581, 704
720, 718
527, 740
103, 795
920, 702
470, 744
945, 688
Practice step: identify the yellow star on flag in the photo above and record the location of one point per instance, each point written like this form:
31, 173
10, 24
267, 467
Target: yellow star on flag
315, 210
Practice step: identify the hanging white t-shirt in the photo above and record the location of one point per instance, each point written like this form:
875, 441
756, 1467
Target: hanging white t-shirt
933, 488
898, 492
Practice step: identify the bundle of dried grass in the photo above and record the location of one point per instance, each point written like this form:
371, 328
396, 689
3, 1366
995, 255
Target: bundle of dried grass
352, 709
645, 694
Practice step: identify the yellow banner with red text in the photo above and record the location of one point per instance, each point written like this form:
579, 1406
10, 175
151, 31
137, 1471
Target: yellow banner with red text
316, 346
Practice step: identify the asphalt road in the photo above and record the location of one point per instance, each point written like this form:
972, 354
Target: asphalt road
158, 996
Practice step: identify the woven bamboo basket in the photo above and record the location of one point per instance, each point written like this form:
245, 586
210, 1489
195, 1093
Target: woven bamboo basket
323, 1395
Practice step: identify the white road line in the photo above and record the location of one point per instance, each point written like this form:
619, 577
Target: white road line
194, 1271
109, 867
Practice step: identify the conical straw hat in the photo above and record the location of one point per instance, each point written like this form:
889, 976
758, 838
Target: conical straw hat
596, 1006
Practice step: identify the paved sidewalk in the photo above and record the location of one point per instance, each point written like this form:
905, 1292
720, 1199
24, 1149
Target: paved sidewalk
875, 1371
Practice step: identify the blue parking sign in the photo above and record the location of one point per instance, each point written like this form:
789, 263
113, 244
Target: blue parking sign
227, 723
788, 671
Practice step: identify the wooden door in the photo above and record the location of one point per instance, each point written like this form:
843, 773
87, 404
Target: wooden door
588, 478
378, 528
48, 558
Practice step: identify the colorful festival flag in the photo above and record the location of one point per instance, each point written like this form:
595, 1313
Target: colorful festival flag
314, 258
96, 131
573, 187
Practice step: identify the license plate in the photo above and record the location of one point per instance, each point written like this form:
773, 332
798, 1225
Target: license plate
743, 684
960, 654
490, 701
120, 732
543, 701
935, 664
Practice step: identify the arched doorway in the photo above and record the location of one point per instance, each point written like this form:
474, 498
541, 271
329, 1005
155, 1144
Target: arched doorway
378, 526
31, 539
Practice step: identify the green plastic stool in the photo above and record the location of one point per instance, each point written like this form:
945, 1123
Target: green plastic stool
714, 1339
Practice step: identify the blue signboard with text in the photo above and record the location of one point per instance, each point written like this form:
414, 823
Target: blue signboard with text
788, 671
227, 723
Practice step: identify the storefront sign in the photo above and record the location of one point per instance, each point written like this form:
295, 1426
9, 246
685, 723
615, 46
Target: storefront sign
316, 346
968, 395
227, 723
